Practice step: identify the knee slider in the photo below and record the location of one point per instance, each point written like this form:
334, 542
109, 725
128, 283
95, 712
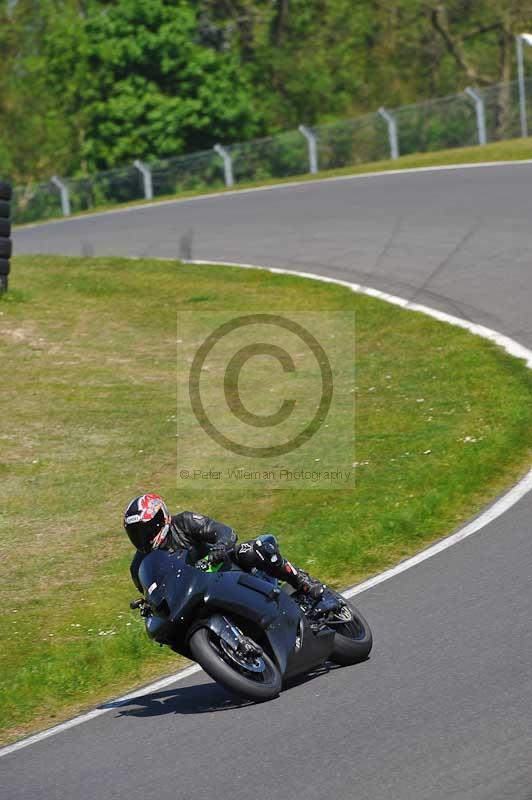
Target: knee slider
267, 549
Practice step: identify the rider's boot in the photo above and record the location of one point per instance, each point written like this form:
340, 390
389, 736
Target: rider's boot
302, 581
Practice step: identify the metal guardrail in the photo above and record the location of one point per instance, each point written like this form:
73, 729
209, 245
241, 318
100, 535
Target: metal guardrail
475, 116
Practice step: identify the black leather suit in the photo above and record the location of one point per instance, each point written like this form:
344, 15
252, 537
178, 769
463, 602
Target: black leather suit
198, 534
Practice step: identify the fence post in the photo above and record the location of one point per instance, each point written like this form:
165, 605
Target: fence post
228, 163
145, 171
481, 116
65, 198
392, 132
312, 141
519, 39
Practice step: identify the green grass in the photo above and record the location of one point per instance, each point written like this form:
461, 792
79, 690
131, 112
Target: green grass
511, 150
88, 346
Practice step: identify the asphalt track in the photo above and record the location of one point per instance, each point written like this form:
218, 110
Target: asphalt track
442, 708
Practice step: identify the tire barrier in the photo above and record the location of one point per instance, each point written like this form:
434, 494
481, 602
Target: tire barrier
6, 245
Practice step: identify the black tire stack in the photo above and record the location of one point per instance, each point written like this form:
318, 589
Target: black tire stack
6, 245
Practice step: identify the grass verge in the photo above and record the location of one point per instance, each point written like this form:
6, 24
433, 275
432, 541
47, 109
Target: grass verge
511, 150
88, 353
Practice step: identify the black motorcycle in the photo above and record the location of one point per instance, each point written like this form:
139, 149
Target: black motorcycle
246, 632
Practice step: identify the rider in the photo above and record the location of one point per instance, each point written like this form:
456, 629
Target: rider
150, 526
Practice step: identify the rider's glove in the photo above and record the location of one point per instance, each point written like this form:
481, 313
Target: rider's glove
219, 552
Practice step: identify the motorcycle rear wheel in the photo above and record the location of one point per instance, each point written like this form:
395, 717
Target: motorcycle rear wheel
353, 639
206, 649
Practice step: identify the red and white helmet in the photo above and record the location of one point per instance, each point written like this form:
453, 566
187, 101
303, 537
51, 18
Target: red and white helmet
147, 522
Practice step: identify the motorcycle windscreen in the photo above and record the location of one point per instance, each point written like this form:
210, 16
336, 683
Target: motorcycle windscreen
157, 574
170, 584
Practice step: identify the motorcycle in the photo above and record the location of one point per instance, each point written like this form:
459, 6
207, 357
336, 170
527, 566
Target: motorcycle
248, 633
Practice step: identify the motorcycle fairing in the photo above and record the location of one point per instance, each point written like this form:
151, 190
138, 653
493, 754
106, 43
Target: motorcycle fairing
176, 592
226, 593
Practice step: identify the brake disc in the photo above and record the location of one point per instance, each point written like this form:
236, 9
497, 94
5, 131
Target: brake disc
251, 664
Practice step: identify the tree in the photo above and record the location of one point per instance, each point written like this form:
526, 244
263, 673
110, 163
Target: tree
480, 38
152, 89
35, 137
309, 58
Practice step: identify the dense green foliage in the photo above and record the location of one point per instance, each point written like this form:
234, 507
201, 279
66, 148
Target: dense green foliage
87, 85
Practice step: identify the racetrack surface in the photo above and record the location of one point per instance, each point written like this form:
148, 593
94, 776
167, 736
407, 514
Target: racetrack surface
442, 708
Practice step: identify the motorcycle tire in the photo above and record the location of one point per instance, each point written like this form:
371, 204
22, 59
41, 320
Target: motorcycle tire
209, 656
6, 247
353, 640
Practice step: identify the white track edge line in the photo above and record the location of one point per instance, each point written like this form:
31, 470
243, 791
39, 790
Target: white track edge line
96, 712
269, 188
491, 513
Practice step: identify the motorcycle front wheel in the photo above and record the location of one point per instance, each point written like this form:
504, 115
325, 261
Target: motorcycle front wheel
353, 639
255, 679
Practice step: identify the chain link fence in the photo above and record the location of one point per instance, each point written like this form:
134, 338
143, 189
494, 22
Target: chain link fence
447, 122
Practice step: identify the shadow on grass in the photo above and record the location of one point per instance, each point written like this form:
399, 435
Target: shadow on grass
200, 699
